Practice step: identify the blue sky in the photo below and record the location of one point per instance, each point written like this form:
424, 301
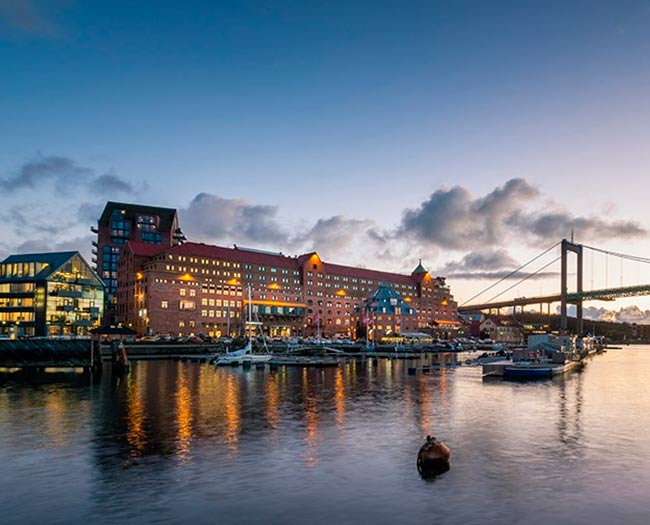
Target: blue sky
471, 134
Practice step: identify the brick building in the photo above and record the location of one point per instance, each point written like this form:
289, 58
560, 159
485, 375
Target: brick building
503, 330
120, 223
197, 288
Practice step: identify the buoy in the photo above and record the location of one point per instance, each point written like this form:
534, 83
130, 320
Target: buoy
433, 458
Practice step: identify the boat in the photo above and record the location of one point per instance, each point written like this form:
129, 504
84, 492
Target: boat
547, 355
245, 356
527, 370
305, 361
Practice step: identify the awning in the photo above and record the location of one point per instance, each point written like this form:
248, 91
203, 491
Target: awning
446, 322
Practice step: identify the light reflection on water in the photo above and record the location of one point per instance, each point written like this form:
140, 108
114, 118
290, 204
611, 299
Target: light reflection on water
176, 442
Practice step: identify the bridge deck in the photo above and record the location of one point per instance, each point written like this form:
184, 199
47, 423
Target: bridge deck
608, 294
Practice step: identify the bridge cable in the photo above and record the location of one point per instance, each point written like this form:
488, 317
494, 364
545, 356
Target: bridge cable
622, 255
525, 278
512, 273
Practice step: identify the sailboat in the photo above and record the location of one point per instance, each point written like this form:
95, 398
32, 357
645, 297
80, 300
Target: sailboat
245, 355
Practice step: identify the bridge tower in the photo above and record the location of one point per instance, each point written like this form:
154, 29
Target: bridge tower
577, 249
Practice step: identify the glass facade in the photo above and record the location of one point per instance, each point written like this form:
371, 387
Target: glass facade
65, 302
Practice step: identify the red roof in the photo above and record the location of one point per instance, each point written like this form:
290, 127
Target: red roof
241, 255
195, 249
364, 273
144, 249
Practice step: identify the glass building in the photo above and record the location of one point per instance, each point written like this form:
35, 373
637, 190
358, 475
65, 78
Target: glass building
49, 295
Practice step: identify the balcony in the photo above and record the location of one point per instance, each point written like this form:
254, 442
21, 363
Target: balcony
65, 308
94, 229
94, 243
66, 293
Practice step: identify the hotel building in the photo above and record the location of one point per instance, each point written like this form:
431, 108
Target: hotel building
196, 288
122, 222
49, 295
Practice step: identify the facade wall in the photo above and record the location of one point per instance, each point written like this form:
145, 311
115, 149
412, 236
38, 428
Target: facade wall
193, 289
66, 302
121, 223
503, 331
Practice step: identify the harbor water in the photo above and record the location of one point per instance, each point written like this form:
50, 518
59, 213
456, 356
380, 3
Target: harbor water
183, 442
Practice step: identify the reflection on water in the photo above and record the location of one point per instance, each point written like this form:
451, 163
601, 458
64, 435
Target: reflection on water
135, 434
327, 445
184, 417
232, 407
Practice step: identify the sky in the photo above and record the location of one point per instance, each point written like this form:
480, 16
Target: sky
470, 134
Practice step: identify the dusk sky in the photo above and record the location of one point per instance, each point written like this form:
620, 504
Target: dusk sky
472, 135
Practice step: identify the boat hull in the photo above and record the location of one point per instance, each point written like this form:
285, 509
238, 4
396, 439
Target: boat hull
228, 360
539, 371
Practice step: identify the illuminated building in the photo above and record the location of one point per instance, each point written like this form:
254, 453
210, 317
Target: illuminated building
387, 314
122, 222
49, 294
194, 288
503, 330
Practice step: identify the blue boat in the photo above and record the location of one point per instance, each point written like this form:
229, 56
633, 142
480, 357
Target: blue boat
527, 372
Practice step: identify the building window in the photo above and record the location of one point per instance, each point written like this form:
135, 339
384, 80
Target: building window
164, 305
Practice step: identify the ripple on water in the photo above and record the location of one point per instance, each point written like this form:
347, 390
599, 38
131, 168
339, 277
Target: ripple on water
175, 442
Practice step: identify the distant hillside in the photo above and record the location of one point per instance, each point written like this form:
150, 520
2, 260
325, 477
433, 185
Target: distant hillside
629, 314
614, 330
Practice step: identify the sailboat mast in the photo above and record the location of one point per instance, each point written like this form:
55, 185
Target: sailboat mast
250, 316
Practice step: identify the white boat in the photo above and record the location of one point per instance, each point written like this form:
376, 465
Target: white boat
245, 355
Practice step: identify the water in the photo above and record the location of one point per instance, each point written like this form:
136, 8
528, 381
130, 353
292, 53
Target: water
182, 442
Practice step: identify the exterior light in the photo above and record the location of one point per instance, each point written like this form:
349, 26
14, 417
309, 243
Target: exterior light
341, 293
186, 277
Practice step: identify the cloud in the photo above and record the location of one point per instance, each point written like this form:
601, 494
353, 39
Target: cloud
214, 218
483, 260
453, 219
560, 224
63, 171
499, 275
66, 175
334, 235
488, 264
33, 17
26, 220
111, 184
47, 244
89, 212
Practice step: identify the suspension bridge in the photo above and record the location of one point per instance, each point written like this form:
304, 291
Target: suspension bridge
565, 297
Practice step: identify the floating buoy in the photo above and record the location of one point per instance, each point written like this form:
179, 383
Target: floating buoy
433, 458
